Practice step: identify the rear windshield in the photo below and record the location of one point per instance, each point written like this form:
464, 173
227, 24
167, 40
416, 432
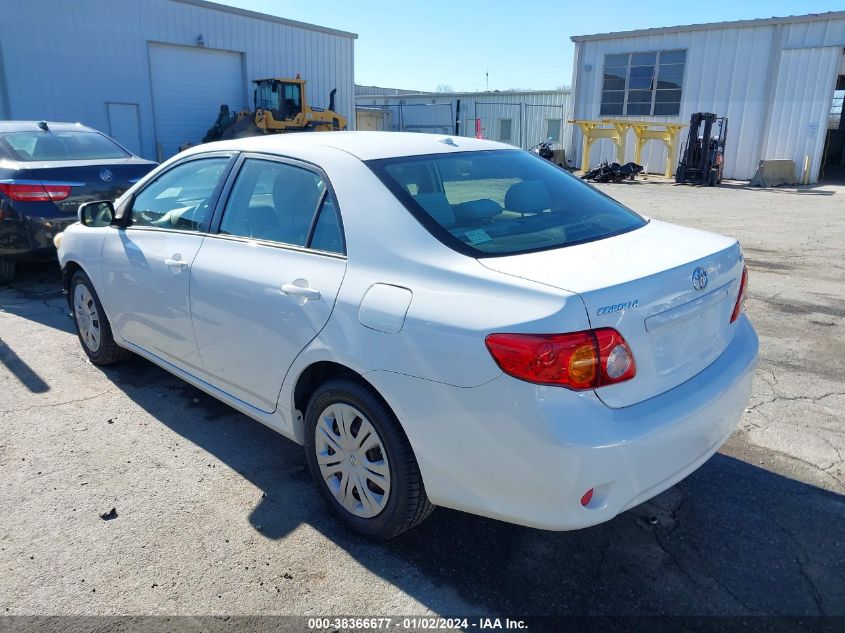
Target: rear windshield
502, 202
71, 145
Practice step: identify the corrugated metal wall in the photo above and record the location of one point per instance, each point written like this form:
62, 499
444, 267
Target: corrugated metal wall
529, 113
730, 71
801, 107
65, 60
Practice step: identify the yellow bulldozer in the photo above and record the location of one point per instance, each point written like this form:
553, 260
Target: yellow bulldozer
280, 106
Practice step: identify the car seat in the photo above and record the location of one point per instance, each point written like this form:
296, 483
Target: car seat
438, 207
49, 148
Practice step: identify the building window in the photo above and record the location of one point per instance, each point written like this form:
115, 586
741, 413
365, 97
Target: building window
643, 83
505, 130
836, 109
553, 129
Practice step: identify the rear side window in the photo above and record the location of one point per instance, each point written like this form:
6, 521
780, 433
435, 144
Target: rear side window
278, 202
71, 145
502, 202
327, 232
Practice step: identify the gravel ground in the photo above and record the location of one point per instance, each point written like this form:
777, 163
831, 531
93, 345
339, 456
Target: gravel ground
215, 514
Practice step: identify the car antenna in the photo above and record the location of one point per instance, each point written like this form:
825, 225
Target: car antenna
43, 125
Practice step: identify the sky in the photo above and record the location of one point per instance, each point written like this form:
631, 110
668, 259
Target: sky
524, 44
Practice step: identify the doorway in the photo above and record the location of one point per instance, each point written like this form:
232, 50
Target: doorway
833, 158
125, 125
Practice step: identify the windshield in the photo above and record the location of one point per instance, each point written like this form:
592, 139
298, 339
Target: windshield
71, 145
502, 202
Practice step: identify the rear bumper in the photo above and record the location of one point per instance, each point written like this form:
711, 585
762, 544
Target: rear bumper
526, 454
31, 237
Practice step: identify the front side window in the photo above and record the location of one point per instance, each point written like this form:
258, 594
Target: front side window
642, 84
179, 199
70, 145
267, 96
273, 201
502, 202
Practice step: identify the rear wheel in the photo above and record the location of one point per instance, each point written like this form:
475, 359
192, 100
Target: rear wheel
7, 271
362, 462
92, 325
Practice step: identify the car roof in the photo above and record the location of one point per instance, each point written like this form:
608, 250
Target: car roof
362, 145
32, 126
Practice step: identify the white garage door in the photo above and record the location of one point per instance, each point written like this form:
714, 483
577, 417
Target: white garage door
189, 85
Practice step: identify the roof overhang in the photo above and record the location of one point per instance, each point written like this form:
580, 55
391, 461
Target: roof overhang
709, 26
214, 6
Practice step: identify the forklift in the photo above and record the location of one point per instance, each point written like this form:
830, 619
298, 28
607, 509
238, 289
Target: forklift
702, 157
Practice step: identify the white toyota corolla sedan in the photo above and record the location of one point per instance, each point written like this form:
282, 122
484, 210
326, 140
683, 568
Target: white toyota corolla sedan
439, 321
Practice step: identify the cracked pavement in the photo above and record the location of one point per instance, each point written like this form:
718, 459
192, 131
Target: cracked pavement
217, 514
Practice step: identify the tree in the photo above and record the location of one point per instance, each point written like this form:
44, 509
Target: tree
444, 88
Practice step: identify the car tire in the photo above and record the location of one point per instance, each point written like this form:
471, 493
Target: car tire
352, 411
7, 271
92, 325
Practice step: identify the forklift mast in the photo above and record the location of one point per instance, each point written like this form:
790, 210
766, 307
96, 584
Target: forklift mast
702, 158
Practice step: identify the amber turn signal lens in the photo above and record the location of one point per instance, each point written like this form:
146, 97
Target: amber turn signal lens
583, 366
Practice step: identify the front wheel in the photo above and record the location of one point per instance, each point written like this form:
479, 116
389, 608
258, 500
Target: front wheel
92, 325
362, 461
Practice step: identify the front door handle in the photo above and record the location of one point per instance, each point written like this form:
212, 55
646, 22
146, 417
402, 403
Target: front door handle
176, 262
300, 288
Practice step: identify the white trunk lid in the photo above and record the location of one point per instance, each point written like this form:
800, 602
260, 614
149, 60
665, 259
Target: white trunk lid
641, 284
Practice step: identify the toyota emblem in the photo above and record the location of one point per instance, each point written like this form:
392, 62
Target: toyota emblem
699, 279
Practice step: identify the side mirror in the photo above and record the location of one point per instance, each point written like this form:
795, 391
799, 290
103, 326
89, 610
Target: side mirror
97, 213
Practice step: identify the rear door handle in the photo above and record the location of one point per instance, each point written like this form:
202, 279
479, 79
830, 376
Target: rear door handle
300, 288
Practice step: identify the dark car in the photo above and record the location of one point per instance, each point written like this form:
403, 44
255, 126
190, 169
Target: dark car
46, 170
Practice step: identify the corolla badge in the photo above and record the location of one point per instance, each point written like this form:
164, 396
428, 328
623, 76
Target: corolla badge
699, 279
617, 307
106, 175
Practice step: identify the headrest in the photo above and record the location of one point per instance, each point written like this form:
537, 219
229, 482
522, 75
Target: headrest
474, 210
529, 196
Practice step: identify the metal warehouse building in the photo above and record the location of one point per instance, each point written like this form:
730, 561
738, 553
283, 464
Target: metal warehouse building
522, 118
153, 74
780, 82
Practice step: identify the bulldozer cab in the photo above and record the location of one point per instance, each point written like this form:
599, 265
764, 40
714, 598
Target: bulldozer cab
283, 98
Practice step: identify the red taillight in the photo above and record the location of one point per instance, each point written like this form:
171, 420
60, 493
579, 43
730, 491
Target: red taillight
578, 360
740, 299
35, 191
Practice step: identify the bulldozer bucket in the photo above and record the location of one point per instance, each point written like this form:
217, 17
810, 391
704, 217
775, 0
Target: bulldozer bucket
242, 129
